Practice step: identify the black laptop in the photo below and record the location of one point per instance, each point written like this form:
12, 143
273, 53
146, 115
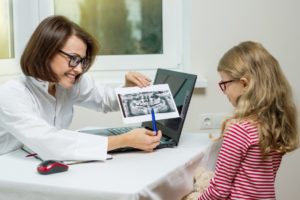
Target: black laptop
181, 86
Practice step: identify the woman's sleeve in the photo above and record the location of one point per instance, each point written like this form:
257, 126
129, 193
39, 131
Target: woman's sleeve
19, 118
233, 150
91, 94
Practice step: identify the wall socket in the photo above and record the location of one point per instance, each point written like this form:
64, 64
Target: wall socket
211, 120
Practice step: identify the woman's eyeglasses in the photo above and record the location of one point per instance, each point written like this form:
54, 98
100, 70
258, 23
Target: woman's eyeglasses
222, 84
75, 60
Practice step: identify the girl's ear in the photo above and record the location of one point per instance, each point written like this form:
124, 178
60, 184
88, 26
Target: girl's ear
245, 82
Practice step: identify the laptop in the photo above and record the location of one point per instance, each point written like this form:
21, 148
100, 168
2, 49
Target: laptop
181, 86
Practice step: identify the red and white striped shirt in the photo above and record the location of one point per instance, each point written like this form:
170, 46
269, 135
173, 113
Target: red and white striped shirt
241, 170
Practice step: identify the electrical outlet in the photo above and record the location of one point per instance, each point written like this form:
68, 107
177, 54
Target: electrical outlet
211, 120
206, 121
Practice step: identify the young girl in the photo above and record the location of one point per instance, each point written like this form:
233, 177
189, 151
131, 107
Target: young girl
262, 129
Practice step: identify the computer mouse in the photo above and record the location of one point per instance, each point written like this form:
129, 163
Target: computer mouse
51, 166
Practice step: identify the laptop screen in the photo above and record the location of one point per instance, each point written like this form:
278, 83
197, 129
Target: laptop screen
181, 86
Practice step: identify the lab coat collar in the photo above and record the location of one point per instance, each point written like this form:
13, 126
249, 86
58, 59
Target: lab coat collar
43, 85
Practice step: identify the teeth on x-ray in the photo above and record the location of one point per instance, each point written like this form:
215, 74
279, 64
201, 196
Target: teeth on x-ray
137, 104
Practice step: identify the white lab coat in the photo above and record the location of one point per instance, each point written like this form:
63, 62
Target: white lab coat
29, 115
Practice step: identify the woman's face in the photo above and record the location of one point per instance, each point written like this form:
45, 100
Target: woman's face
60, 62
233, 90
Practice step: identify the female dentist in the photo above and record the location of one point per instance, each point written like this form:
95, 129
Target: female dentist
36, 109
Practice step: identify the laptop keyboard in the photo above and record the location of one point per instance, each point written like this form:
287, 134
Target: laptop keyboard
118, 131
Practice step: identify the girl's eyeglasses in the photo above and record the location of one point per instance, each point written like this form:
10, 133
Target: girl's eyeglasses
75, 60
222, 84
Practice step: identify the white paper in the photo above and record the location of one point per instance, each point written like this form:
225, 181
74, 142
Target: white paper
136, 103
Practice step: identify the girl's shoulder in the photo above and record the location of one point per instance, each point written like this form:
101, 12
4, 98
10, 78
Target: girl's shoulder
242, 123
246, 129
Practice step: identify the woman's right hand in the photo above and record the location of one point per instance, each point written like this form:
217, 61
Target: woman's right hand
143, 139
139, 138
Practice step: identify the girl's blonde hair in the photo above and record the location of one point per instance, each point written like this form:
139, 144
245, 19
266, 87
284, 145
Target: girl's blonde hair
268, 100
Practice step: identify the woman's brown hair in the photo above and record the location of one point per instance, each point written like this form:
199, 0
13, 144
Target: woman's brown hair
48, 38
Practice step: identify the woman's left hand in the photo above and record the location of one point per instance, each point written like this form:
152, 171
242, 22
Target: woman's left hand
136, 79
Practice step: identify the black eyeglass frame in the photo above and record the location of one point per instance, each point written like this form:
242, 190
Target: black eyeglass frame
75, 60
222, 84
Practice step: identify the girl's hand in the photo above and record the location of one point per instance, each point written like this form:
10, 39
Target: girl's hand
136, 79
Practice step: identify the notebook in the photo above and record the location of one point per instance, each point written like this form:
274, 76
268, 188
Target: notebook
181, 86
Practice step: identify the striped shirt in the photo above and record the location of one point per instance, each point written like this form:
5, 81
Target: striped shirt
241, 171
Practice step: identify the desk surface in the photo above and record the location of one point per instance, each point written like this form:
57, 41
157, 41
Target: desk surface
163, 174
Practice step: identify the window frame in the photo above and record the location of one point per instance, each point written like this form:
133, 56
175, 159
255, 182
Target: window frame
109, 69
25, 19
7, 65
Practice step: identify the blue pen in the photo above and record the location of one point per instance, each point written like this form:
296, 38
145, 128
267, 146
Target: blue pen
153, 121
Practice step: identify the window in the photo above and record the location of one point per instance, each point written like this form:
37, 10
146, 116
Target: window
7, 51
136, 29
6, 33
134, 34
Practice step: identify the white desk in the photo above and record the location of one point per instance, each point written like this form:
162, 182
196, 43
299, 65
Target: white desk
166, 174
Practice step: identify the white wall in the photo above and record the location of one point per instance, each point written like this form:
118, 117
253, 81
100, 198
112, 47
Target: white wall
216, 26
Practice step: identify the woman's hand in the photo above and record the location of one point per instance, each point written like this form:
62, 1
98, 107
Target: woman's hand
139, 138
143, 139
136, 79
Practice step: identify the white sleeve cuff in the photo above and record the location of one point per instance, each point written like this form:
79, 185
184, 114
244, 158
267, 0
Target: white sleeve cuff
91, 147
